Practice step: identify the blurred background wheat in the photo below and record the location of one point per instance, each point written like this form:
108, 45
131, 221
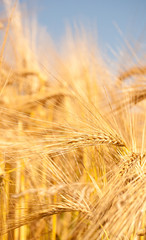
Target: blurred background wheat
72, 138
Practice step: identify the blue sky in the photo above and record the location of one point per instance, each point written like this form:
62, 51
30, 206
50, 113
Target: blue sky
100, 16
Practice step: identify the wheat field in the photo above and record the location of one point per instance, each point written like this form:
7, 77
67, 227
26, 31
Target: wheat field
72, 136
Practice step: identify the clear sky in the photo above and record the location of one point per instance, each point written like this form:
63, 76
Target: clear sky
101, 16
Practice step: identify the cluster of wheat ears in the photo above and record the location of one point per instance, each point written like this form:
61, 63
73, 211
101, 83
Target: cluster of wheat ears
72, 136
